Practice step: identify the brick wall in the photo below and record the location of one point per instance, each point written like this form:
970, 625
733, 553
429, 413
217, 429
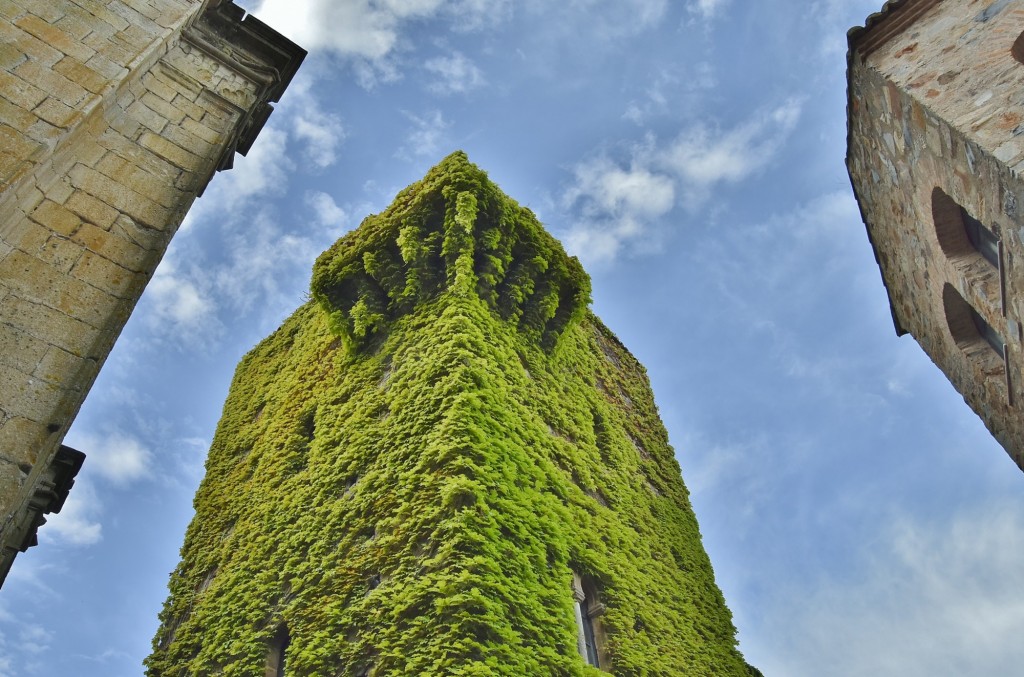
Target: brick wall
114, 114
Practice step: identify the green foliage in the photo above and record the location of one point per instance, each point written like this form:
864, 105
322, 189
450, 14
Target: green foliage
418, 502
454, 230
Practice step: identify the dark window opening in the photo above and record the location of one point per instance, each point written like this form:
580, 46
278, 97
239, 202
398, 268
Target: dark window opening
966, 325
277, 656
959, 233
983, 239
986, 332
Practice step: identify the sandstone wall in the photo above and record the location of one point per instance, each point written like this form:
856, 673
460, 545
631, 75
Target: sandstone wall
114, 114
941, 106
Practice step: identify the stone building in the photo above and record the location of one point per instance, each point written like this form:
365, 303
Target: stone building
935, 154
444, 463
114, 115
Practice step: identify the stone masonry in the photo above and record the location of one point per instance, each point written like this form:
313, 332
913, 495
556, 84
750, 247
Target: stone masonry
114, 115
936, 141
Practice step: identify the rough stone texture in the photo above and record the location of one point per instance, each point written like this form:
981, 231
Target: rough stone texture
936, 101
114, 115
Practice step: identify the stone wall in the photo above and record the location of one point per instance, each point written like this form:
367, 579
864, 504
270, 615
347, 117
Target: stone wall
936, 123
114, 115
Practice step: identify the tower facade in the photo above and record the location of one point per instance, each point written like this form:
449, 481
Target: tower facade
114, 115
444, 463
935, 154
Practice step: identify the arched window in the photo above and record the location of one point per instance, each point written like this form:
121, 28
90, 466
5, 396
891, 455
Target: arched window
966, 325
1018, 48
277, 653
959, 232
588, 608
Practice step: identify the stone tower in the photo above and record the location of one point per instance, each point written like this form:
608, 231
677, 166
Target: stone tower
114, 115
935, 154
443, 464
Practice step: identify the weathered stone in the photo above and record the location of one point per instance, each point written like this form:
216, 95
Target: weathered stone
93, 185
933, 117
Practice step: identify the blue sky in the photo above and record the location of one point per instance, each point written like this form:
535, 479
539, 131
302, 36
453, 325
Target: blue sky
860, 519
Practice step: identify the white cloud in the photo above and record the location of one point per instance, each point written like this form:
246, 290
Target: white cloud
319, 132
328, 213
180, 304
455, 74
702, 156
425, 137
370, 32
262, 259
115, 456
615, 205
78, 521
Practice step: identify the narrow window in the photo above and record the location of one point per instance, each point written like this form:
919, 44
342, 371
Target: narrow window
981, 238
1018, 48
588, 608
966, 324
960, 233
276, 657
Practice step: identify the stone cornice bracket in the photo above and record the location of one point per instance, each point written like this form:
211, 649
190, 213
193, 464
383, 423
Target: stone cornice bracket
48, 497
252, 49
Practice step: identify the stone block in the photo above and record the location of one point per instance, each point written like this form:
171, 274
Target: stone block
54, 36
100, 10
56, 113
211, 136
158, 187
21, 440
27, 396
110, 246
10, 56
172, 152
55, 217
50, 325
160, 87
54, 83
167, 110
19, 350
15, 116
109, 277
91, 210
31, 46
119, 197
19, 92
145, 238
106, 67
87, 77
57, 364
146, 116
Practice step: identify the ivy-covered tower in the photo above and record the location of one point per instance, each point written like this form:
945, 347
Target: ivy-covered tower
443, 464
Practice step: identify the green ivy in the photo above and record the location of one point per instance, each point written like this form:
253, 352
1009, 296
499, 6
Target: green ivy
407, 472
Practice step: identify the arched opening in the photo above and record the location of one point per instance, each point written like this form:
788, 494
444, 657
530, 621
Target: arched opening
959, 232
966, 325
1018, 48
277, 655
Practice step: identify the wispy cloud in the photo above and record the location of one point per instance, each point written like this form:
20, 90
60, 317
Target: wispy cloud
425, 136
370, 32
328, 213
707, 9
78, 521
615, 203
455, 74
116, 456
